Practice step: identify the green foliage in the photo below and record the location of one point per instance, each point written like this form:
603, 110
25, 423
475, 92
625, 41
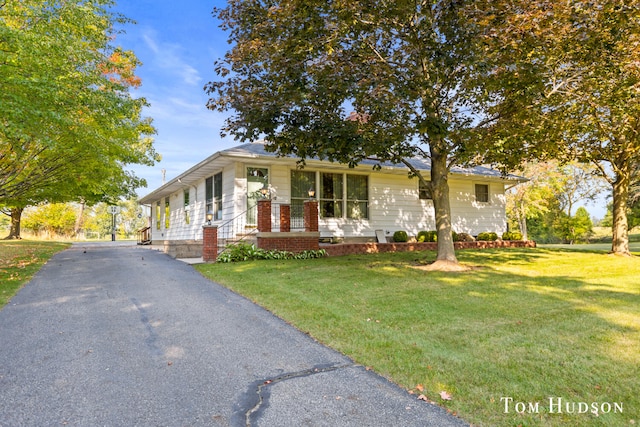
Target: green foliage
70, 125
427, 236
557, 227
487, 236
400, 236
98, 221
581, 63
464, 237
56, 219
248, 252
455, 236
511, 235
579, 228
551, 188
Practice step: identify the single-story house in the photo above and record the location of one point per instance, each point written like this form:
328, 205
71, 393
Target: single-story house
353, 202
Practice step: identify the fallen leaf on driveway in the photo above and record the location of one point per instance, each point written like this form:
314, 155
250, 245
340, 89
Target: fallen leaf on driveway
423, 397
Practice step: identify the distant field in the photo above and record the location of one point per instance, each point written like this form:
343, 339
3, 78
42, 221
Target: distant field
606, 247
601, 241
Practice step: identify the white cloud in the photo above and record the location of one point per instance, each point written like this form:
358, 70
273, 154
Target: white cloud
168, 57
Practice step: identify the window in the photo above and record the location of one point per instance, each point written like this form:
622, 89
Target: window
357, 197
257, 179
339, 195
208, 194
424, 191
158, 214
167, 212
301, 183
187, 218
217, 196
482, 193
331, 196
213, 195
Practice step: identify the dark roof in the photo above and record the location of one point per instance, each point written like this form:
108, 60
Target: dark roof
258, 149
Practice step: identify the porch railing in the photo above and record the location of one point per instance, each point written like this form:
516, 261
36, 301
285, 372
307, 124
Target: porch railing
237, 230
144, 236
296, 216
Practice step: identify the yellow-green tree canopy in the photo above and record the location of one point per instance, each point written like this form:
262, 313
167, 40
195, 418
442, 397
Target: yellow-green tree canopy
68, 123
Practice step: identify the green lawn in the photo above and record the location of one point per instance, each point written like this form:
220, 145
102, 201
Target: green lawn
19, 261
526, 325
634, 247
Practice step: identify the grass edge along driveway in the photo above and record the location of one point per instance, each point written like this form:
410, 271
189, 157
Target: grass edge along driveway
529, 337
20, 260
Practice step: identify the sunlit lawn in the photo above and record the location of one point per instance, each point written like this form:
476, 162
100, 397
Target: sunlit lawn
524, 324
19, 261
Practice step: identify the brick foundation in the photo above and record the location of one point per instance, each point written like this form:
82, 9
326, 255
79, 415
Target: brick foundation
372, 248
292, 242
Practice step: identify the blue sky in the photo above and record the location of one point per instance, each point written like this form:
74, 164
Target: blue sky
177, 43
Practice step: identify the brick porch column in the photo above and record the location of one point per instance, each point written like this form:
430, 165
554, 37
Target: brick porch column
311, 216
264, 216
209, 243
285, 218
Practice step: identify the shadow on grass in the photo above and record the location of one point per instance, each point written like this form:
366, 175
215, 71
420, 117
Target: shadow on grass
530, 333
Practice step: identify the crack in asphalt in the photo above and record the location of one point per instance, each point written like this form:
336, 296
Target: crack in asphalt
262, 385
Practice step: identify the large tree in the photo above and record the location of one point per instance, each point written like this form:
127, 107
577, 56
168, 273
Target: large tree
347, 81
584, 59
68, 123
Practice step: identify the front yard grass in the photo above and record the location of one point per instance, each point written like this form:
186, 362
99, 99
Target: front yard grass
19, 261
525, 324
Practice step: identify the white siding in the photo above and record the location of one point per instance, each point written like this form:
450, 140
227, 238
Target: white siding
393, 204
178, 228
473, 217
280, 183
228, 195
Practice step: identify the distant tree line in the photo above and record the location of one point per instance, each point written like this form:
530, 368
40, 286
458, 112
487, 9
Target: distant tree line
72, 221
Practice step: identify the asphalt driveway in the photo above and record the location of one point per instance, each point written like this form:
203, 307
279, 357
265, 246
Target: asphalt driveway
115, 335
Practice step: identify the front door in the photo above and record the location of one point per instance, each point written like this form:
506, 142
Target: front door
257, 178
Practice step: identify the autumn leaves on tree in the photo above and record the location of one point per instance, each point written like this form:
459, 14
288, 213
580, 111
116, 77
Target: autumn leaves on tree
68, 123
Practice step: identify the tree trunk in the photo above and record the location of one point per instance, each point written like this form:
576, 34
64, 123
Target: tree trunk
620, 243
14, 231
522, 221
79, 220
440, 189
